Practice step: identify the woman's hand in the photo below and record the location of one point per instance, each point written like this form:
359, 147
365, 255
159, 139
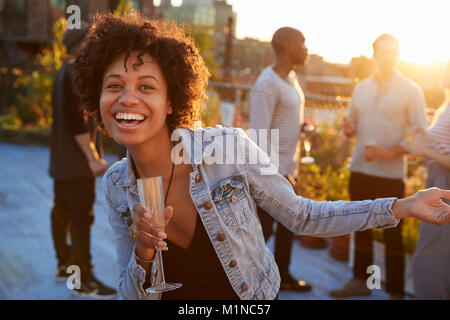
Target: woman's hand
145, 235
416, 146
425, 205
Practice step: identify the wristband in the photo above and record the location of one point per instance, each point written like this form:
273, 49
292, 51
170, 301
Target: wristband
145, 261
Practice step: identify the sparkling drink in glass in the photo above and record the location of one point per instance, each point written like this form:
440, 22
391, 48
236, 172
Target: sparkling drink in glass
151, 196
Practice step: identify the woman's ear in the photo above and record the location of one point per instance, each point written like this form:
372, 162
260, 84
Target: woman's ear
169, 109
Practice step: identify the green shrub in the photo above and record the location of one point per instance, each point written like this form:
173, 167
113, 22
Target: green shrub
10, 121
328, 178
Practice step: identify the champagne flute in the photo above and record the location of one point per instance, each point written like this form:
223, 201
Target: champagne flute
151, 196
308, 129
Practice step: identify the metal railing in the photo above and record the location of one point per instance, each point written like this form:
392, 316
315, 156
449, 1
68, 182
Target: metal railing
235, 102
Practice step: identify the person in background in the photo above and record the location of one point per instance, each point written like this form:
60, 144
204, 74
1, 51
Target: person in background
384, 109
75, 161
277, 102
431, 263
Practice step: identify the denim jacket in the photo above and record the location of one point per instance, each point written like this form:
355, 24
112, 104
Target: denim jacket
226, 196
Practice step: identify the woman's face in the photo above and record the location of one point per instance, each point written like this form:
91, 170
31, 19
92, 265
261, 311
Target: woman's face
134, 103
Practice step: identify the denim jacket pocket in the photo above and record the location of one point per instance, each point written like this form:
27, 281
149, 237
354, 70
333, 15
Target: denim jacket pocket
125, 214
231, 200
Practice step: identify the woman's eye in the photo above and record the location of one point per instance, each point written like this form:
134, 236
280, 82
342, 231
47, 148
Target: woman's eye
146, 87
113, 86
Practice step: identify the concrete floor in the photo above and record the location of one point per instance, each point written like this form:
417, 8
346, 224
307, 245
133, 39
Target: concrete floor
27, 259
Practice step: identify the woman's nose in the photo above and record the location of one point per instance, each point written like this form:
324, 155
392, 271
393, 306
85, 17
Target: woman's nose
128, 98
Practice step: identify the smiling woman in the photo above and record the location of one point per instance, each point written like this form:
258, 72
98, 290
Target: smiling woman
134, 99
141, 42
146, 79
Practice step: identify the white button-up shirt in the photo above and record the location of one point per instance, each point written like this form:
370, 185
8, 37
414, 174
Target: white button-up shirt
384, 117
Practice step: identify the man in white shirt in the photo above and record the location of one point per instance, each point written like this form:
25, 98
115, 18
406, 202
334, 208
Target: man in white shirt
385, 108
277, 102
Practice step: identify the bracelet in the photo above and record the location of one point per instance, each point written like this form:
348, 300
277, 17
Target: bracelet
142, 260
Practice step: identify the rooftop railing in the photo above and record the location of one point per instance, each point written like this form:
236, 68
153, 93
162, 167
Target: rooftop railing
235, 105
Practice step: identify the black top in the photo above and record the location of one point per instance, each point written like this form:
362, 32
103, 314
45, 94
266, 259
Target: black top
67, 160
198, 268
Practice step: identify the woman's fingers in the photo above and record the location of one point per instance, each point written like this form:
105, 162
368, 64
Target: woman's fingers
434, 193
445, 213
431, 208
445, 193
149, 241
143, 231
145, 239
144, 226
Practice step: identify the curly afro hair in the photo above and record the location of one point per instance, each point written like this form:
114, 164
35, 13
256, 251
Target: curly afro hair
167, 43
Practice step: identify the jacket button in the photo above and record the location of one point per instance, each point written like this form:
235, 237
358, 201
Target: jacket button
207, 205
233, 199
198, 178
233, 264
244, 287
221, 237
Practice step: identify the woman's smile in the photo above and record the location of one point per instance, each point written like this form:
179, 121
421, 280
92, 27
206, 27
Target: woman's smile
129, 121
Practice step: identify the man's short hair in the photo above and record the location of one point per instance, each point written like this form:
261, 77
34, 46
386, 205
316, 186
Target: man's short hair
281, 36
384, 37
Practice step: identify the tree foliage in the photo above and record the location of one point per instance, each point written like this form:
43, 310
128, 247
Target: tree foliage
206, 44
33, 104
123, 8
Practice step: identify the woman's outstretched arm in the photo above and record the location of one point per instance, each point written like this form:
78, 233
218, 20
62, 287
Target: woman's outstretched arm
273, 193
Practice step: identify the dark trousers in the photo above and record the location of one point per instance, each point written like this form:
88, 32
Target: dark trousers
73, 213
284, 239
364, 187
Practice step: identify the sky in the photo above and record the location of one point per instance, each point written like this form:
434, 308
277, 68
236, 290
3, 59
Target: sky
341, 29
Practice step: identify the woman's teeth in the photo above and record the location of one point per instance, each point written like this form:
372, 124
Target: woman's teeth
129, 116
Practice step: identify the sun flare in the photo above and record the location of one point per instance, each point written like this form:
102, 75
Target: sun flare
340, 30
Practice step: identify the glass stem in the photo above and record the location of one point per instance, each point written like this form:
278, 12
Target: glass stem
161, 265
